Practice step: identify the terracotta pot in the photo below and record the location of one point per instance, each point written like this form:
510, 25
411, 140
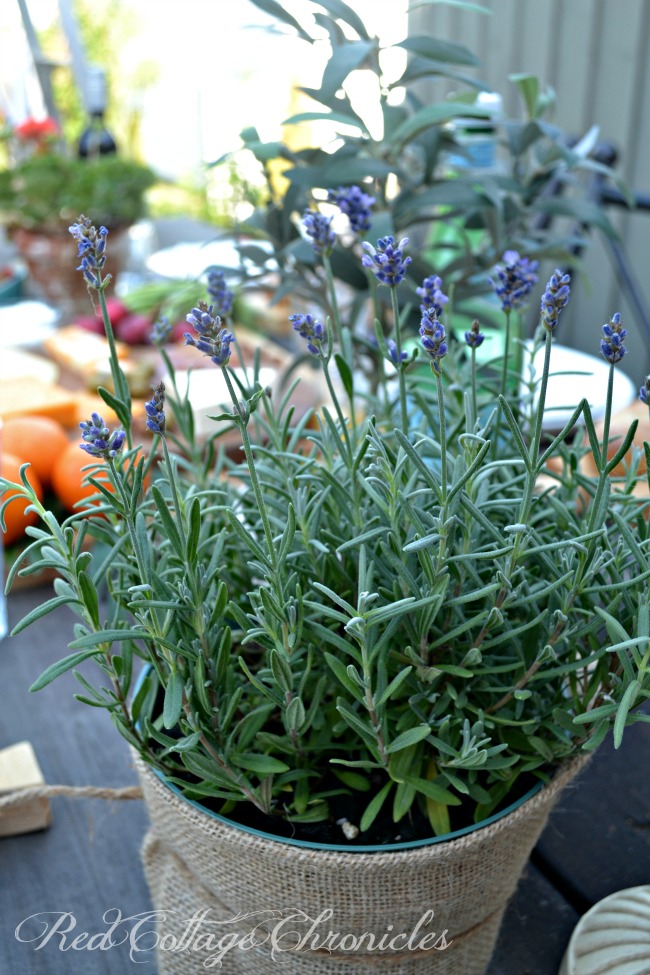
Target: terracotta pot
52, 267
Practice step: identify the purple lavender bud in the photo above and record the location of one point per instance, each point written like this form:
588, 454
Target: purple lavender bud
432, 295
214, 340
220, 294
515, 281
91, 249
644, 392
312, 330
554, 299
155, 410
474, 337
386, 260
432, 332
319, 229
612, 346
161, 330
98, 441
355, 204
392, 353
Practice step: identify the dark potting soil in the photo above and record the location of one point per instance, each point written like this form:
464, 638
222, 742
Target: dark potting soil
350, 807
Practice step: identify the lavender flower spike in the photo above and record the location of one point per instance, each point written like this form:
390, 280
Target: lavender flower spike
386, 260
474, 337
432, 295
98, 441
319, 229
161, 330
213, 340
554, 299
355, 204
155, 410
433, 338
644, 392
514, 281
312, 330
611, 345
91, 249
220, 294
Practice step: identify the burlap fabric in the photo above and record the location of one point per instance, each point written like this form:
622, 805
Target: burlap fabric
244, 905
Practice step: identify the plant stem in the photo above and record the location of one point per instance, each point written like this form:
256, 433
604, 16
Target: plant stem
331, 288
398, 364
503, 386
257, 491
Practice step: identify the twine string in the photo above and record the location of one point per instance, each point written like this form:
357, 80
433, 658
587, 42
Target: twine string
31, 792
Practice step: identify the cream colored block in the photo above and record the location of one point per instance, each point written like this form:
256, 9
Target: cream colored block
19, 769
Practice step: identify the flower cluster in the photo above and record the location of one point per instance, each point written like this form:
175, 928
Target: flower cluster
310, 329
514, 281
432, 332
474, 337
432, 295
161, 330
214, 340
319, 230
220, 294
644, 392
155, 410
554, 299
98, 440
91, 249
387, 260
355, 204
611, 345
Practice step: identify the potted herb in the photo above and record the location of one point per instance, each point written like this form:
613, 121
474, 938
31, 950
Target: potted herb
363, 643
43, 188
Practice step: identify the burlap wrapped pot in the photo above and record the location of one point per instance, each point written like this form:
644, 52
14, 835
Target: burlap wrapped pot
243, 904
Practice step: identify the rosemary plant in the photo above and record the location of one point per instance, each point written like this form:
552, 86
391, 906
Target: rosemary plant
379, 605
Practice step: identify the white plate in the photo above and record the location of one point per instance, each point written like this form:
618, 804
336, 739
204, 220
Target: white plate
26, 323
190, 260
564, 392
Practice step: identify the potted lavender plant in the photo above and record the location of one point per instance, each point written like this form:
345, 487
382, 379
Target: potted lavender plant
374, 650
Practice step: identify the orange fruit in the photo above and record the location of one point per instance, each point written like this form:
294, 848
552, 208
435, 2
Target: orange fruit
38, 439
16, 519
69, 482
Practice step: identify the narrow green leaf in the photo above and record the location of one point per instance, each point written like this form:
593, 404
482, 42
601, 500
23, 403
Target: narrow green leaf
433, 791
623, 709
194, 532
90, 597
623, 449
104, 638
435, 49
259, 764
410, 737
41, 610
275, 9
60, 667
516, 432
171, 531
373, 808
173, 702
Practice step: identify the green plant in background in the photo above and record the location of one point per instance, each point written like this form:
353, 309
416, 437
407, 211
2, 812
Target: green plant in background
385, 610
418, 171
44, 189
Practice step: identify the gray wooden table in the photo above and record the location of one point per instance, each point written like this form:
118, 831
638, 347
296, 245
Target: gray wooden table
87, 863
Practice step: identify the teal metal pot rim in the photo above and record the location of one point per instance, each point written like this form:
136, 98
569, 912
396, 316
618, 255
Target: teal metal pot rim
349, 848
341, 847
